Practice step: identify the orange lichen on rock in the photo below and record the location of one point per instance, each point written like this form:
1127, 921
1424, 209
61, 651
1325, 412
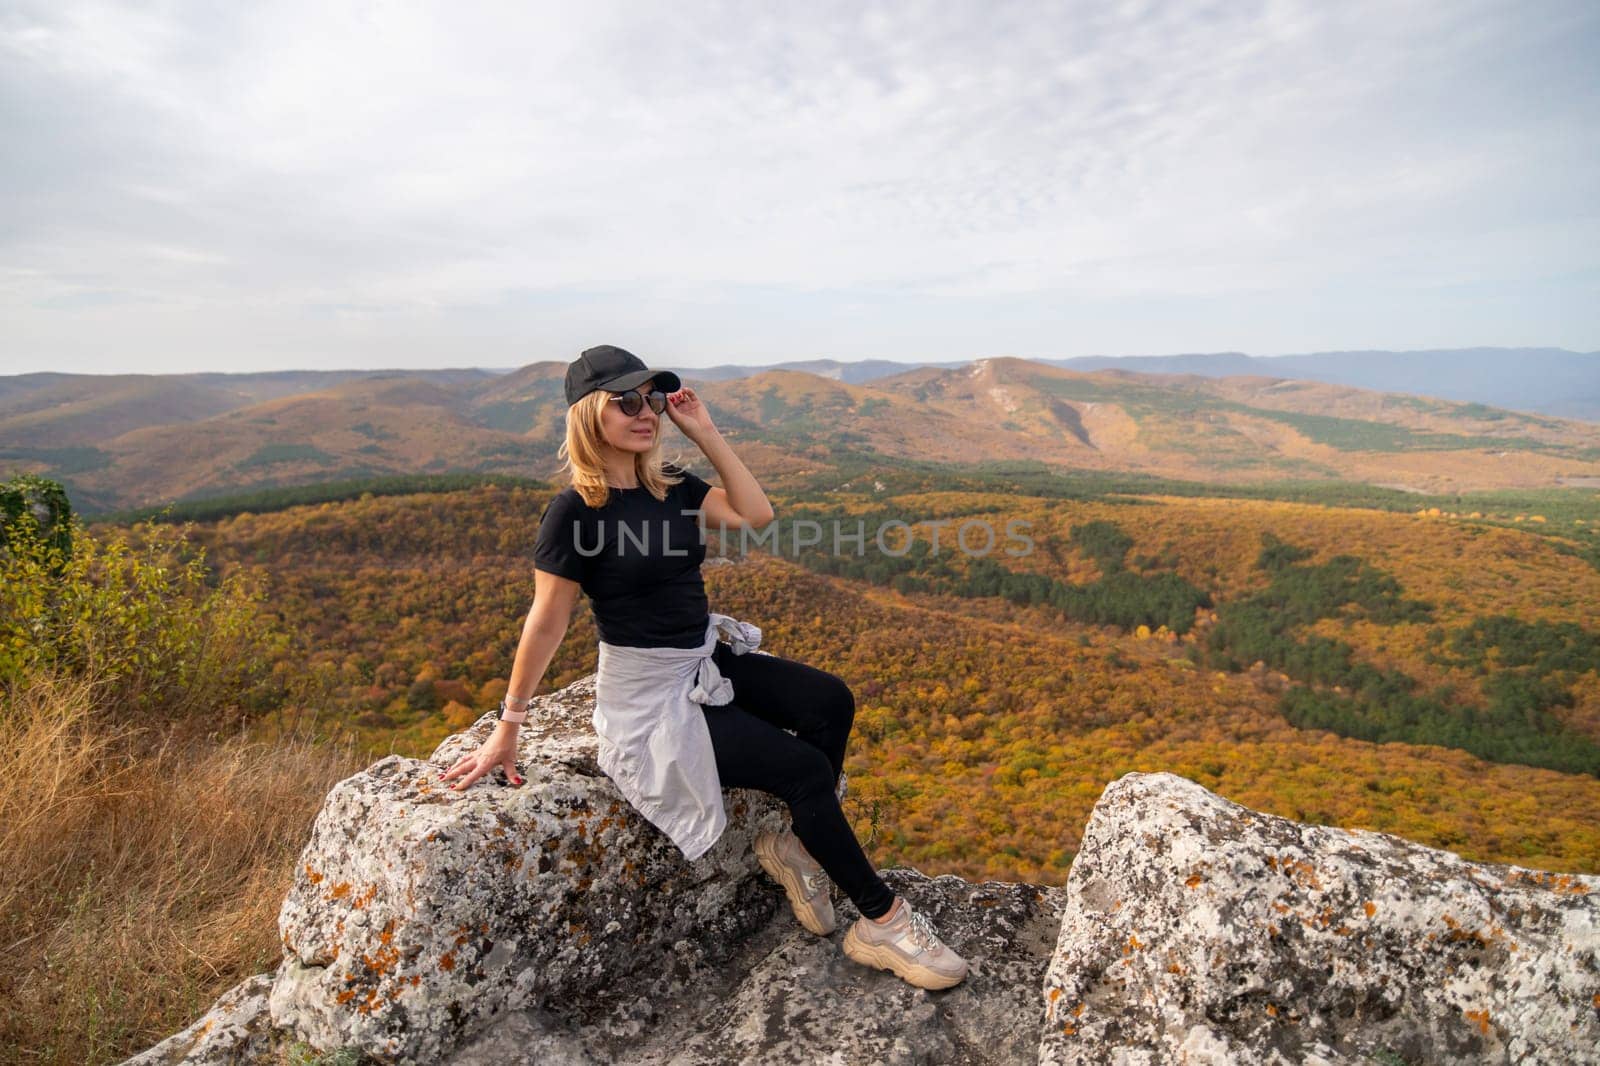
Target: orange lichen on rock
1302, 873
1370, 907
1482, 1018
1132, 945
340, 890
1194, 879
384, 959
447, 961
312, 875
1457, 933
1555, 882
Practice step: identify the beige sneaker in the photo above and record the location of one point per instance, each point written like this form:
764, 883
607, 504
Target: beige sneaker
791, 865
907, 946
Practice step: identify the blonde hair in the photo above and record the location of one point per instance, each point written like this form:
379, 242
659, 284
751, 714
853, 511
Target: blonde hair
581, 454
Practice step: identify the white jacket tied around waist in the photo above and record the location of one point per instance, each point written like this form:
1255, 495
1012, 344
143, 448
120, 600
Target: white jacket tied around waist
654, 743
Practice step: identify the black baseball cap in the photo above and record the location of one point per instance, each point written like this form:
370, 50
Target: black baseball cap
615, 370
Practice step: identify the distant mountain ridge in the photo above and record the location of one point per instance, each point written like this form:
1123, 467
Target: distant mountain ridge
140, 440
1551, 381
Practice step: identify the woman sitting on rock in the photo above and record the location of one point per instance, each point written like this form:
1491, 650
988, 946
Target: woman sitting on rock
680, 713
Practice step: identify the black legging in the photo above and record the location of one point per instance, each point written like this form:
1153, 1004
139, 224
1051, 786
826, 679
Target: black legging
771, 694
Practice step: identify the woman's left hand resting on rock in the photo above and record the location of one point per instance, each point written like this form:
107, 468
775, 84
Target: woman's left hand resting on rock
499, 750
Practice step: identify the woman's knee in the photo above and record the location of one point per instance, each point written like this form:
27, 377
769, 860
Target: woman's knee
842, 702
807, 772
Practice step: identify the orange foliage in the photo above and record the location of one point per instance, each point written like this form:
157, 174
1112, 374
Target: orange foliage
985, 731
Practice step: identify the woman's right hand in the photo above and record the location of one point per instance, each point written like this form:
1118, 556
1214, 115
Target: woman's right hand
499, 750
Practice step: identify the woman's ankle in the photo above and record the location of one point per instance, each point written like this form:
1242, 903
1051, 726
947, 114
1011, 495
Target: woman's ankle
888, 914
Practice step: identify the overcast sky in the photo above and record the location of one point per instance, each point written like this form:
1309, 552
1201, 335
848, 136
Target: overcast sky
261, 186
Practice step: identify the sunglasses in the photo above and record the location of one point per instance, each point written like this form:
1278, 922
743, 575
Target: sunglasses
632, 402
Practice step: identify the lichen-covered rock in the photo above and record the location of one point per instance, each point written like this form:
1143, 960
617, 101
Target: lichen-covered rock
1199, 931
782, 996
235, 1030
777, 995
418, 913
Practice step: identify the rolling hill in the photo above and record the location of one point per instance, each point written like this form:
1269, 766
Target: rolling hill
134, 442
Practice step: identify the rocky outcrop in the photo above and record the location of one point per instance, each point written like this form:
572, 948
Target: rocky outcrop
1200, 931
419, 914
551, 924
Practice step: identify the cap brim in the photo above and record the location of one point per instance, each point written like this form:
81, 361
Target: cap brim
666, 381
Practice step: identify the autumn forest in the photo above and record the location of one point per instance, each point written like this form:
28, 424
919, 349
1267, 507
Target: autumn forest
1429, 673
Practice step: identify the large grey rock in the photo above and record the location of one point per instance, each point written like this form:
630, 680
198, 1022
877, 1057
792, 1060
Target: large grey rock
776, 996
552, 924
1199, 931
419, 914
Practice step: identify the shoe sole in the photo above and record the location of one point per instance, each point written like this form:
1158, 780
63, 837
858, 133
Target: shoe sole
792, 888
885, 958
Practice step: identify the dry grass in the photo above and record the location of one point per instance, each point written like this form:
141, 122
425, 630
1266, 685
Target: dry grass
140, 872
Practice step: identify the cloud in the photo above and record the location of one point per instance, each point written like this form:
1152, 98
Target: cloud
259, 164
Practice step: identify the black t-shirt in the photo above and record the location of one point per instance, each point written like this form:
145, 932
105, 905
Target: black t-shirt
637, 558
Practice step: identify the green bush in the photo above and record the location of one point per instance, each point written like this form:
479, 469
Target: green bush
141, 612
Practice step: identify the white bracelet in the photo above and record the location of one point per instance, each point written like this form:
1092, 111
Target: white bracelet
514, 717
